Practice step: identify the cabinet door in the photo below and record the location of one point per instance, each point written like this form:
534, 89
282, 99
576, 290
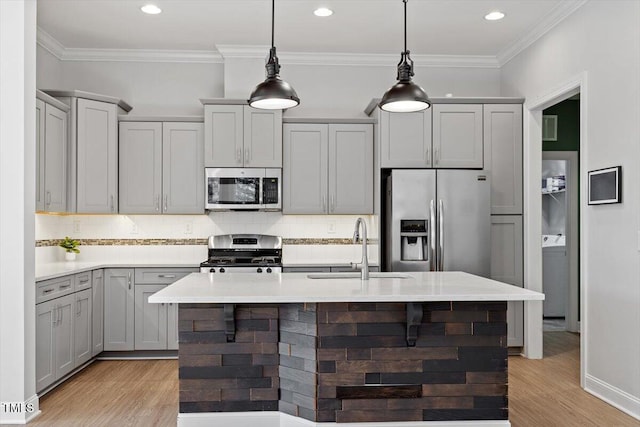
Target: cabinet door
97, 306
55, 159
507, 266
97, 157
405, 139
82, 327
150, 319
64, 343
503, 156
350, 169
140, 167
305, 169
172, 326
262, 138
457, 136
223, 129
182, 168
40, 107
45, 341
118, 309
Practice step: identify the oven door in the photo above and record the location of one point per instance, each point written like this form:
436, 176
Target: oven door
233, 188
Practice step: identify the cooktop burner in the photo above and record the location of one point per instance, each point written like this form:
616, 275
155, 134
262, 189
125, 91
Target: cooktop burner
244, 250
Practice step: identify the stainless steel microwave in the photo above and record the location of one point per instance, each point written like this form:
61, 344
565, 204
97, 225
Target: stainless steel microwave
243, 189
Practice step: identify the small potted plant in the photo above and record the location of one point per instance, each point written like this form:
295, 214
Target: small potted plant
71, 247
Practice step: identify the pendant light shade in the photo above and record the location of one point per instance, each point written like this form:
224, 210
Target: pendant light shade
405, 96
273, 93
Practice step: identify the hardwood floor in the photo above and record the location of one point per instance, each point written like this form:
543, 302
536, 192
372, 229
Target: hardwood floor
145, 393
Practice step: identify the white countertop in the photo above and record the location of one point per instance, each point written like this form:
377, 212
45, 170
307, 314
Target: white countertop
297, 288
51, 270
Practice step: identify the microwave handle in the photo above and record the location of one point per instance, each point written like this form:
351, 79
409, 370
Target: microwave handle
261, 191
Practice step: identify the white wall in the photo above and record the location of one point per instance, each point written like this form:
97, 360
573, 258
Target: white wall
49, 69
17, 186
603, 39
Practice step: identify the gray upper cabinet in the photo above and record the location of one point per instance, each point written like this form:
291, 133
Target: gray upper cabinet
118, 309
140, 168
328, 168
457, 136
161, 167
350, 169
503, 156
51, 158
182, 168
305, 168
241, 136
405, 139
97, 157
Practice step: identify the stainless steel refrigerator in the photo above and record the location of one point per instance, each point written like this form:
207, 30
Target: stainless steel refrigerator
438, 220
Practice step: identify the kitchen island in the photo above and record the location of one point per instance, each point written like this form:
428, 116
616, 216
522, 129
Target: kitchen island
285, 349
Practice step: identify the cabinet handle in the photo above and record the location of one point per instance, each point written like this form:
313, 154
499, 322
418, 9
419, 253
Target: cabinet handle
436, 157
129, 281
54, 315
428, 153
157, 203
324, 203
238, 155
48, 198
247, 155
47, 291
167, 276
166, 201
332, 205
78, 307
60, 313
65, 287
111, 202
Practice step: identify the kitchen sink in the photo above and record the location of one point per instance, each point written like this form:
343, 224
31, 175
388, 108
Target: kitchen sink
356, 275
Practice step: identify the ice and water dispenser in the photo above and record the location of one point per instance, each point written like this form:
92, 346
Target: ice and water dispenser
414, 236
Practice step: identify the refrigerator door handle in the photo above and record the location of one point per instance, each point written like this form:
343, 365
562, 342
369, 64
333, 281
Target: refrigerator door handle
441, 235
432, 236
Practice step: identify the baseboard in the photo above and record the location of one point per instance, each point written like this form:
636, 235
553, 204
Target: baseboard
138, 354
277, 419
20, 412
614, 396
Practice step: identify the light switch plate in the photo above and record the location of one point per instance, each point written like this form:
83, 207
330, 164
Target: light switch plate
331, 227
76, 226
188, 227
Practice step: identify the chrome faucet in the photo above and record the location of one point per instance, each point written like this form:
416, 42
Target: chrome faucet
364, 271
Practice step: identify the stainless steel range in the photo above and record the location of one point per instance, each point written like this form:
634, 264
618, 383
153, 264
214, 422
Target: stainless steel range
243, 253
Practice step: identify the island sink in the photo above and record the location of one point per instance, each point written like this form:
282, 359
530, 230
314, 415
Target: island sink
357, 275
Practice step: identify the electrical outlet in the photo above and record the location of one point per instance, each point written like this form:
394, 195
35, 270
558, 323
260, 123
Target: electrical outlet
331, 228
188, 227
76, 226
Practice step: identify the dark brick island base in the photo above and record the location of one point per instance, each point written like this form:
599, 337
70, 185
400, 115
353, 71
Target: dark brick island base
346, 362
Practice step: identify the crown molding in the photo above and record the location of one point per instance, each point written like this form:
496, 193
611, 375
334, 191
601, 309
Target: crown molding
557, 15
49, 43
356, 59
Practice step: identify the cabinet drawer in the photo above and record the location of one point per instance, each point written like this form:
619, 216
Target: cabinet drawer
49, 289
161, 275
83, 281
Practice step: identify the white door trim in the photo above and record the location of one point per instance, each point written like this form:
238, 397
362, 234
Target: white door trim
532, 157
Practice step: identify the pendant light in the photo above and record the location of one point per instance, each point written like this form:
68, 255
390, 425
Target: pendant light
405, 96
273, 93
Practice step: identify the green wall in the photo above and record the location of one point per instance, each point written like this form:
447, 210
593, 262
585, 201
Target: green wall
568, 113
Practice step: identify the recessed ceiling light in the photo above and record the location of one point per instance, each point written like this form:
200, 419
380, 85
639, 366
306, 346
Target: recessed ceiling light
323, 11
494, 16
151, 9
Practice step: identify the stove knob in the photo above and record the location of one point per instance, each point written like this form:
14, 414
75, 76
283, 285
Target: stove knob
259, 270
221, 269
212, 270
269, 270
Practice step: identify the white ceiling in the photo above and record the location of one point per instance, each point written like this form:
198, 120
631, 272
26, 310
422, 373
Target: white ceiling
435, 27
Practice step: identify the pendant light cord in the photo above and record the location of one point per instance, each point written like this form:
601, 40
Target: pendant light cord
273, 20
405, 24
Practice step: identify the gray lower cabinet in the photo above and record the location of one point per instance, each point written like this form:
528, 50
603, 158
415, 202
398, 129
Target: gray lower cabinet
503, 156
82, 327
97, 325
324, 269
161, 168
457, 136
150, 319
507, 266
54, 340
328, 169
118, 309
